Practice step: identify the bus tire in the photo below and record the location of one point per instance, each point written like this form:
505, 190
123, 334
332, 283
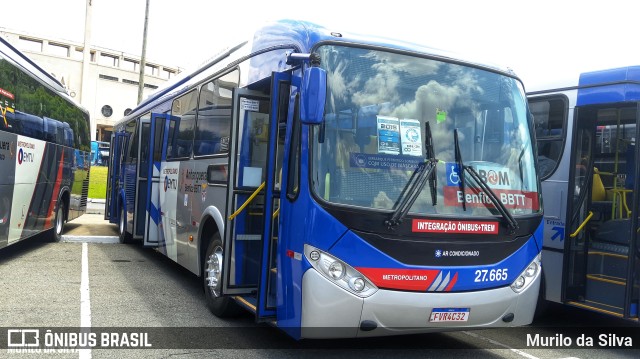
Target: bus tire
125, 238
58, 223
222, 307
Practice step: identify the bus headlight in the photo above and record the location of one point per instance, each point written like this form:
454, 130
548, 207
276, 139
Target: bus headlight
336, 270
531, 270
340, 273
357, 284
527, 276
518, 284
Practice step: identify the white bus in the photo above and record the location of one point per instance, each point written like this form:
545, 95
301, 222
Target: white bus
44, 151
586, 132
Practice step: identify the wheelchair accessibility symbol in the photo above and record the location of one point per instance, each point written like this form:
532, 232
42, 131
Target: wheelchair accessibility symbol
453, 179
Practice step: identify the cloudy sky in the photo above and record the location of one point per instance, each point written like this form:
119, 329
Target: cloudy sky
541, 40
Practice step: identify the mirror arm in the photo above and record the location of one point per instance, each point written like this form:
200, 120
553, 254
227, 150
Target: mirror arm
296, 58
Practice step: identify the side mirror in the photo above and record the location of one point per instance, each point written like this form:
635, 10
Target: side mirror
313, 95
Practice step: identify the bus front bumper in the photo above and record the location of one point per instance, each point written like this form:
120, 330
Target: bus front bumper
328, 311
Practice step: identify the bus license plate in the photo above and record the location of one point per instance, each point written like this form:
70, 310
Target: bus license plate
449, 315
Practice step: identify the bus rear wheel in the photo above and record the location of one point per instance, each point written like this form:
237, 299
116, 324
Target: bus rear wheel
58, 224
220, 306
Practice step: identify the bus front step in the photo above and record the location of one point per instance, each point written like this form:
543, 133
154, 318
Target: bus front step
607, 293
599, 307
607, 264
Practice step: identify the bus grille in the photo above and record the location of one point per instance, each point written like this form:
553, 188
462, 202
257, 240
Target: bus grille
85, 191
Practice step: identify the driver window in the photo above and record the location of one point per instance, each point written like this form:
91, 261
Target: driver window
549, 117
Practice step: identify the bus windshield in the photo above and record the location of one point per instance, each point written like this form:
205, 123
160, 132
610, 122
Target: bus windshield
373, 134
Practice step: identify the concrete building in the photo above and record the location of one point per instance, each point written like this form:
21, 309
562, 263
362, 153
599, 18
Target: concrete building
111, 76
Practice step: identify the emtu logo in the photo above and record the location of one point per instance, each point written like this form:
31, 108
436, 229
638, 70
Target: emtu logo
169, 183
24, 156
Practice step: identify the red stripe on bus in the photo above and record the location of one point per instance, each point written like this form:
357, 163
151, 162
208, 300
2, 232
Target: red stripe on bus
56, 188
404, 279
452, 283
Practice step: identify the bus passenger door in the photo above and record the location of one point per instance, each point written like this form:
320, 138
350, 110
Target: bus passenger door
267, 289
611, 270
579, 188
157, 152
142, 179
118, 141
245, 212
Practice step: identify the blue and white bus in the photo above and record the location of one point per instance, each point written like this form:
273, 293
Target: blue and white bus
44, 151
339, 185
586, 130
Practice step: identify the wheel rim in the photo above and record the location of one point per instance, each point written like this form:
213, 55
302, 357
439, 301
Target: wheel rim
59, 221
121, 222
214, 271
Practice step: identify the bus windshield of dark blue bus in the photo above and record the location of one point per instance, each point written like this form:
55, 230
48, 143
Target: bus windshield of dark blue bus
373, 134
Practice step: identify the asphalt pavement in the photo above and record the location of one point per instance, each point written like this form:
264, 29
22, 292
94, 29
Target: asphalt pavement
90, 280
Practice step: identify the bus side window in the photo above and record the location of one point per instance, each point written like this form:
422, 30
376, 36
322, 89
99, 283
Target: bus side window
549, 118
213, 124
171, 135
184, 110
132, 142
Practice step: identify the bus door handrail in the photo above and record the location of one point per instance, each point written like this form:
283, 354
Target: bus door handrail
246, 203
584, 223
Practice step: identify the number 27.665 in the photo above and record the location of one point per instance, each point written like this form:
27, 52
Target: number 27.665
485, 275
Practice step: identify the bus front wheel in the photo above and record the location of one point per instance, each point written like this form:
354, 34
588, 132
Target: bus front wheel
212, 280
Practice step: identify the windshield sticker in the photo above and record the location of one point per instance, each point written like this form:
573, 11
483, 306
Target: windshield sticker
453, 176
440, 226
383, 161
410, 137
441, 115
249, 105
388, 135
475, 197
496, 177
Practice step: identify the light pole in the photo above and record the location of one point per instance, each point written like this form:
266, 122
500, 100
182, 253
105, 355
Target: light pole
144, 53
86, 60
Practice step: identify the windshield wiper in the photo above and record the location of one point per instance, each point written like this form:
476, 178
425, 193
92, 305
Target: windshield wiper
425, 171
458, 159
511, 221
431, 154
